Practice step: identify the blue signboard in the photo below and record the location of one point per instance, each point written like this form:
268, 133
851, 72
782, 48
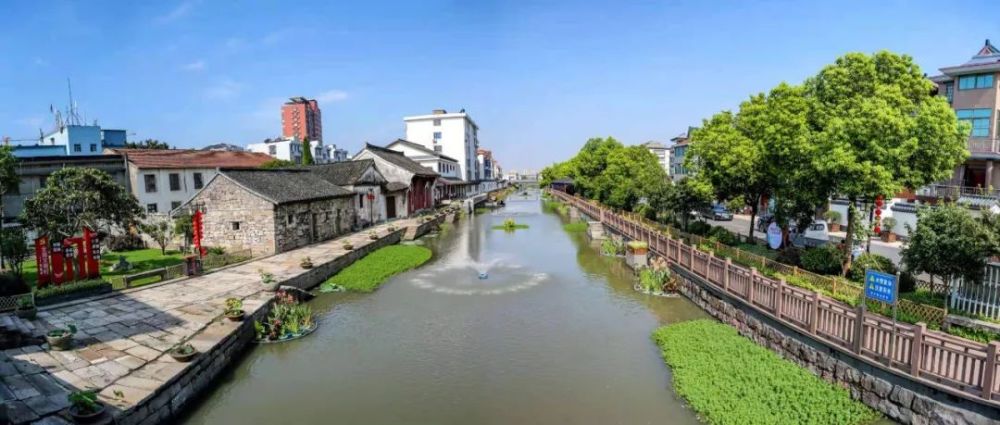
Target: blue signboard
880, 286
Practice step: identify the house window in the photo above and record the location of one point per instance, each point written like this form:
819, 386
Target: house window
77, 148
979, 118
198, 182
93, 147
150, 180
42, 180
290, 219
437, 123
151, 208
437, 148
949, 91
235, 225
437, 135
175, 205
272, 150
977, 81
175, 182
361, 200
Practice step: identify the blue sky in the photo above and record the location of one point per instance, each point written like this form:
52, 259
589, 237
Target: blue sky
538, 77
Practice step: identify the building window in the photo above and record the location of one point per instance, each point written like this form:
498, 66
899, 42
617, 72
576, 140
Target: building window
437, 135
272, 150
93, 147
175, 182
235, 225
949, 91
77, 148
437, 148
361, 200
290, 219
977, 81
198, 182
174, 205
42, 180
150, 180
979, 118
151, 208
437, 123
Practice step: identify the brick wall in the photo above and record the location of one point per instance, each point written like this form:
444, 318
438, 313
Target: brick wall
298, 231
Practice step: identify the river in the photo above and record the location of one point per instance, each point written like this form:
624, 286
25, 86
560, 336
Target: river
554, 335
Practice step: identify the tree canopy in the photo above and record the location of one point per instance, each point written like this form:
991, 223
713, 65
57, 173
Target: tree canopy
307, 156
277, 163
949, 242
147, 144
76, 197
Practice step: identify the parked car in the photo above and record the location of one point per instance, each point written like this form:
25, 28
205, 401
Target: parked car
716, 212
816, 234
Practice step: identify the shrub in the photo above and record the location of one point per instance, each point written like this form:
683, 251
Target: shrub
767, 388
790, 255
823, 260
126, 242
699, 228
870, 261
723, 236
832, 216
907, 282
215, 250
612, 246
68, 288
575, 227
12, 284
888, 224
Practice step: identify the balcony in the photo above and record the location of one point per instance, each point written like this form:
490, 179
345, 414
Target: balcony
983, 146
977, 196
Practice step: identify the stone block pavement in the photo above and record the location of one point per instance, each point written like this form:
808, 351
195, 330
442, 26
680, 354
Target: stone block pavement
122, 339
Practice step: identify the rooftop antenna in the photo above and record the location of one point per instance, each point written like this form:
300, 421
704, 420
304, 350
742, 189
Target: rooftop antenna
73, 116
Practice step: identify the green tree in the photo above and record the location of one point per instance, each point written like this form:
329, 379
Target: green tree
15, 248
9, 181
184, 226
631, 174
277, 163
76, 197
948, 243
589, 164
307, 156
160, 231
147, 144
879, 129
688, 195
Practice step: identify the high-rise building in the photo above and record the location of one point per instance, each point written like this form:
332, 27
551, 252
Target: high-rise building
301, 118
454, 135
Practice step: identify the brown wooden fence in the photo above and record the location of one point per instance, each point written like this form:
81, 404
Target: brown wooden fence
938, 359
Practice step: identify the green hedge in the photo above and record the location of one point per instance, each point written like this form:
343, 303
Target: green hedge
366, 274
727, 379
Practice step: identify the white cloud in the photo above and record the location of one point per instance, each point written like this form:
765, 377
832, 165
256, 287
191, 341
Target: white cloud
197, 65
225, 89
332, 96
182, 9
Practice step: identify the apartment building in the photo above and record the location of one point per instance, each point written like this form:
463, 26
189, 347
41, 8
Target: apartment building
662, 153
453, 134
301, 118
677, 152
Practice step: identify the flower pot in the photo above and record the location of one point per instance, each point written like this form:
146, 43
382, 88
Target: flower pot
235, 316
306, 265
85, 417
888, 237
26, 313
373, 237
183, 357
348, 247
60, 343
834, 227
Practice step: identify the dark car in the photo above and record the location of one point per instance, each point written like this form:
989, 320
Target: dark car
716, 212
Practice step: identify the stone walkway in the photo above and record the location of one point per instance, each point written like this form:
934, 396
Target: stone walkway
120, 346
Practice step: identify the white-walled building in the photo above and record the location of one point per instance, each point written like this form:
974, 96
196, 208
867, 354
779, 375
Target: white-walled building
453, 134
163, 179
290, 149
445, 165
662, 153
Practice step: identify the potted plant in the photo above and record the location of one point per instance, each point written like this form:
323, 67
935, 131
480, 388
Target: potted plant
833, 219
372, 235
391, 228
84, 407
348, 246
26, 308
234, 309
61, 339
183, 352
306, 263
637, 247
888, 224
266, 278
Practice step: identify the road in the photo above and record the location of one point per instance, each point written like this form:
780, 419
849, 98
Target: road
741, 225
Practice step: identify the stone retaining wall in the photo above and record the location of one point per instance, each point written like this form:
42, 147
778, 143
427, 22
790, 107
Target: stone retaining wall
321, 272
423, 228
898, 397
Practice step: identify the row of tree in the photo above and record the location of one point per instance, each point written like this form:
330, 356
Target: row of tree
864, 126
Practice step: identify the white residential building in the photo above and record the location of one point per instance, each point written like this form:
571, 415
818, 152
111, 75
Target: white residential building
445, 165
662, 153
290, 149
453, 134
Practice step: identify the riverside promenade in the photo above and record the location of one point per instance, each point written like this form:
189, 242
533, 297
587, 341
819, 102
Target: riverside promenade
121, 347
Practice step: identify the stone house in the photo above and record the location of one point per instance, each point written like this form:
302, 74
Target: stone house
271, 211
362, 178
411, 185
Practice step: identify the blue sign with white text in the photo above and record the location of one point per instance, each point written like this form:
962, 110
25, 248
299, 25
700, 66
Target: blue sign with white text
880, 286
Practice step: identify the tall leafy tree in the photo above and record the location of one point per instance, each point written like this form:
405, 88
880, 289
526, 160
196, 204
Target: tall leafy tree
307, 156
949, 242
15, 248
688, 195
161, 231
879, 129
9, 181
76, 197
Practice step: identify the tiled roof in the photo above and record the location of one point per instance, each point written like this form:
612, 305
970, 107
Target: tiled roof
395, 186
343, 173
397, 158
284, 186
188, 158
421, 148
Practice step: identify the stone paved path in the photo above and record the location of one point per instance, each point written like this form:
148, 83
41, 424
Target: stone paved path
120, 347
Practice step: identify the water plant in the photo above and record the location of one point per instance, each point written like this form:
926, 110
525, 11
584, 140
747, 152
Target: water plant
266, 278
348, 245
60, 339
703, 353
509, 225
288, 319
306, 263
26, 308
183, 352
83, 405
368, 273
234, 309
612, 247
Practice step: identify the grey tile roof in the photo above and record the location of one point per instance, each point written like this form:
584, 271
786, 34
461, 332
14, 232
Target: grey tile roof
397, 158
343, 173
285, 185
395, 186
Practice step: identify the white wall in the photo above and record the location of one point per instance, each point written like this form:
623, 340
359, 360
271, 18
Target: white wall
163, 197
291, 150
458, 140
443, 166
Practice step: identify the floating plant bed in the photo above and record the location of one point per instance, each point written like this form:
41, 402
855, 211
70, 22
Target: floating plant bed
288, 337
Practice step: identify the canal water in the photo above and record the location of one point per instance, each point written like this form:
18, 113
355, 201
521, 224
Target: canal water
553, 335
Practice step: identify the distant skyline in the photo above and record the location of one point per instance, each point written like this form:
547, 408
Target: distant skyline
540, 78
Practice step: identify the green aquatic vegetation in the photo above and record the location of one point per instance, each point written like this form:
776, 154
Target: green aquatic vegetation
612, 246
728, 379
510, 225
575, 227
366, 274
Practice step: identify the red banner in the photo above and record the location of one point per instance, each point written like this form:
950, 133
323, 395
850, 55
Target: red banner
196, 230
93, 247
58, 273
42, 260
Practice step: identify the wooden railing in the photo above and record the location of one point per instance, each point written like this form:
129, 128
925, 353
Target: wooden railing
948, 362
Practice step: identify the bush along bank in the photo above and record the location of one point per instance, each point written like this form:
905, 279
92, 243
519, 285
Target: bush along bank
366, 274
727, 379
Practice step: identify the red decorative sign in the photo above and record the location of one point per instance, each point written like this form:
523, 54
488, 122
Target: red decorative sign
42, 260
55, 262
196, 230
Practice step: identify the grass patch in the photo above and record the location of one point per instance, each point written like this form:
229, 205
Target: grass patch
366, 274
575, 227
728, 379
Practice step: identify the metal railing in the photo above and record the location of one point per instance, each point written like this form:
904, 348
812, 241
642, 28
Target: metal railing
988, 146
961, 366
956, 192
